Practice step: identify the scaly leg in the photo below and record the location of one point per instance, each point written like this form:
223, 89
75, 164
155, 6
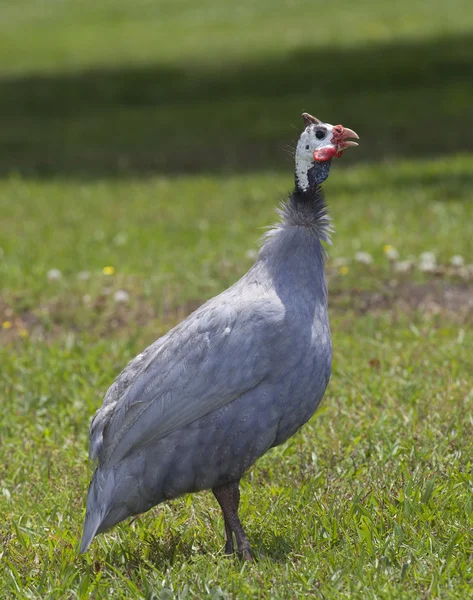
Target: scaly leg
228, 497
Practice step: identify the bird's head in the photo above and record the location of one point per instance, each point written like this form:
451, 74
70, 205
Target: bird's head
318, 145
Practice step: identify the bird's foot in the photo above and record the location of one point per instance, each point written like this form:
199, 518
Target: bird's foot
245, 554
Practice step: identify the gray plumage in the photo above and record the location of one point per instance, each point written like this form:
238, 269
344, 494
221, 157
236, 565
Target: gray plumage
238, 376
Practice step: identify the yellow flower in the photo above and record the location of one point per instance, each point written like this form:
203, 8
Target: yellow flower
108, 270
6, 324
343, 270
391, 252
23, 333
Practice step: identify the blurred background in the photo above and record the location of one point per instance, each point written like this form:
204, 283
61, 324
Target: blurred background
177, 86
143, 147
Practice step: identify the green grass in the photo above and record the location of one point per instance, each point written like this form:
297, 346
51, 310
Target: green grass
145, 136
372, 499
172, 86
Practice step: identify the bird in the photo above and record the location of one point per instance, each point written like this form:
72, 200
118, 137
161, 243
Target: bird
240, 375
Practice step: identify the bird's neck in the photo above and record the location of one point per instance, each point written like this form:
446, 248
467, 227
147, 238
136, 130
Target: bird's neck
292, 258
306, 206
309, 175
307, 210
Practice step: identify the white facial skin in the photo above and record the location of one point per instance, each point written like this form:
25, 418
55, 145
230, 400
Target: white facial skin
306, 146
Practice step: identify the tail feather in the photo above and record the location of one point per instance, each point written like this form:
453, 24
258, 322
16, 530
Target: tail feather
92, 523
99, 502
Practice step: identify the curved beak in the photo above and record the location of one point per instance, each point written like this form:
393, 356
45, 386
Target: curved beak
342, 138
339, 142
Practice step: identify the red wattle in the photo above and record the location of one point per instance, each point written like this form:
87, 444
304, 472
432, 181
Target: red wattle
325, 153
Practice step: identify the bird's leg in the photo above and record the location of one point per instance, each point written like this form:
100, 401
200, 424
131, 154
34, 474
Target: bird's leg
228, 497
221, 497
229, 549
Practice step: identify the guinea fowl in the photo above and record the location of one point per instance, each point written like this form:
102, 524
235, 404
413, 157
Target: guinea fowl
237, 377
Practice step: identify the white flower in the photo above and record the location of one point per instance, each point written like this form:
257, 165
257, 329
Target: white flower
121, 296
391, 252
83, 275
54, 275
457, 261
339, 262
428, 257
120, 239
403, 266
364, 257
427, 267
427, 262
251, 254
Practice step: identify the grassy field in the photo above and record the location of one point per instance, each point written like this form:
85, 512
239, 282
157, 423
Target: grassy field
93, 88
141, 152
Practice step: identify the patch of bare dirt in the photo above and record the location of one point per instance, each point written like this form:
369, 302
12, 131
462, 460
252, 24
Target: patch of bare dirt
103, 317
100, 317
454, 300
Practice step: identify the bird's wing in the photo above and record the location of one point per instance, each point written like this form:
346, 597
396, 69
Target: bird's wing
217, 354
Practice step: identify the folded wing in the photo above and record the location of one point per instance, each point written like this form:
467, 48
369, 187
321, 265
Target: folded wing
216, 355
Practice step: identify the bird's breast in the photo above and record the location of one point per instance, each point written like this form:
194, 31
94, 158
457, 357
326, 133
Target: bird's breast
305, 377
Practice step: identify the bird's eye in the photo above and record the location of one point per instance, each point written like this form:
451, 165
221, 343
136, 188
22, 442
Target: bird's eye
320, 134
307, 147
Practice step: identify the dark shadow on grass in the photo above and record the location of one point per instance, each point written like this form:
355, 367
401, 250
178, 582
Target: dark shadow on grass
274, 546
163, 552
404, 99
